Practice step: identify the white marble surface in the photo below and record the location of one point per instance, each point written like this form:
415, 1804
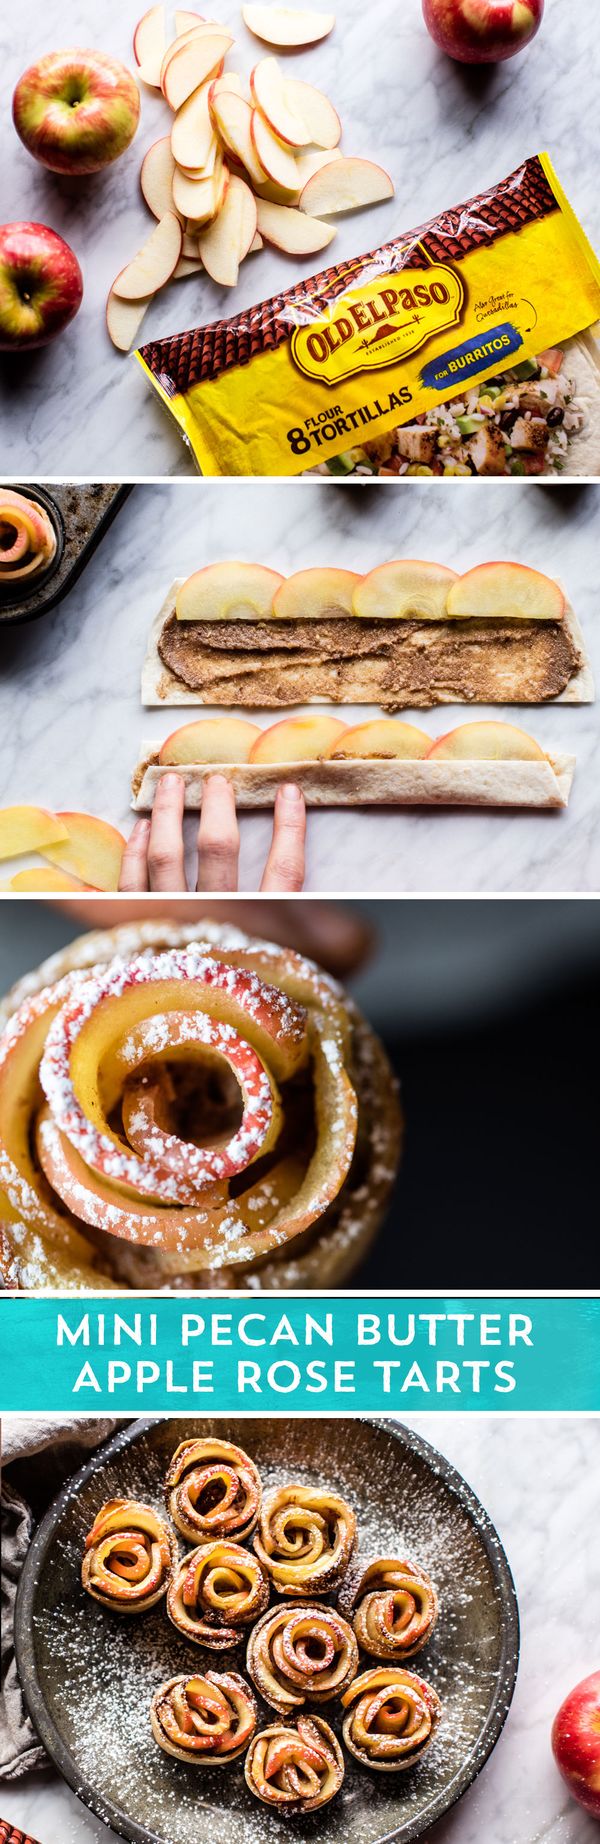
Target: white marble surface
539, 1481
71, 721
442, 131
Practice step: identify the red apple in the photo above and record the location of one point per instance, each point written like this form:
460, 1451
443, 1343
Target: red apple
576, 1743
41, 286
76, 110
482, 31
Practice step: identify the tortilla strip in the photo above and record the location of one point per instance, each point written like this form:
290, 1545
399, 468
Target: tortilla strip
369, 782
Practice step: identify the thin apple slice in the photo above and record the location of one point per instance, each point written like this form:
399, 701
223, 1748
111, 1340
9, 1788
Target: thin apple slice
311, 162
154, 264
317, 594
256, 244
486, 742
227, 241
268, 87
149, 41
156, 177
506, 591
287, 26
187, 22
298, 739
227, 85
211, 739
191, 63
383, 739
199, 199
316, 111
203, 30
275, 160
29, 829
187, 265
93, 851
346, 185
43, 878
124, 319
232, 118
192, 134
404, 590
228, 592
290, 230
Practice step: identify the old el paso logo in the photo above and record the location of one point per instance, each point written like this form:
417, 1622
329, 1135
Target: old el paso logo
379, 324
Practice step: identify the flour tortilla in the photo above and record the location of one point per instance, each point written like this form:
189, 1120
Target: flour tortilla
583, 366
367, 782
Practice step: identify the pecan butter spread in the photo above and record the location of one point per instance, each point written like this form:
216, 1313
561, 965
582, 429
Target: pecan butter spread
350, 661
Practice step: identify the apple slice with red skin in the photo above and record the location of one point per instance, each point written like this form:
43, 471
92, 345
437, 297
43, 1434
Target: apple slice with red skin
93, 851
486, 742
156, 177
383, 739
45, 879
192, 62
298, 739
315, 109
506, 591
274, 160
576, 1743
192, 134
149, 43
404, 590
124, 319
311, 162
268, 87
288, 27
212, 739
29, 829
201, 30
291, 230
316, 594
228, 592
227, 241
346, 185
187, 22
200, 199
232, 117
154, 264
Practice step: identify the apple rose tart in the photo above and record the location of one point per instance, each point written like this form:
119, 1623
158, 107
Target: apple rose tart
212, 1489
185, 1106
299, 1653
128, 1557
295, 1767
217, 1590
27, 537
391, 1718
206, 1720
394, 1606
305, 1539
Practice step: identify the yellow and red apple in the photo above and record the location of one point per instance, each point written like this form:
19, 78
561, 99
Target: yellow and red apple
41, 286
76, 111
482, 31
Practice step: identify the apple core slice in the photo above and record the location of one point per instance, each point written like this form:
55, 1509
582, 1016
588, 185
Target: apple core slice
212, 739
287, 26
29, 829
154, 264
93, 850
228, 592
383, 739
298, 739
268, 87
506, 591
316, 594
486, 742
291, 230
346, 185
404, 590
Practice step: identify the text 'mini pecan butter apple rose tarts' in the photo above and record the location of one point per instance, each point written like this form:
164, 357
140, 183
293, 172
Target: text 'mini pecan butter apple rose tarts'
187, 1106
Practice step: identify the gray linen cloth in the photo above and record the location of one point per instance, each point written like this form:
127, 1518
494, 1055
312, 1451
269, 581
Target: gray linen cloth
40, 1453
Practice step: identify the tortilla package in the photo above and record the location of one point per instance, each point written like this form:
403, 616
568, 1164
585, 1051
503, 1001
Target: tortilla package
465, 346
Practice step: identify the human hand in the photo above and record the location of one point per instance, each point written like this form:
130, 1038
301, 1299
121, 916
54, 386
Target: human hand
154, 856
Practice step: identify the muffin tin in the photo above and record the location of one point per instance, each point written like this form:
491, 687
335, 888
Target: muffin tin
80, 515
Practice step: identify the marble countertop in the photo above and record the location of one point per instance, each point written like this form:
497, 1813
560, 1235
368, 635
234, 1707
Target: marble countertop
71, 720
442, 130
519, 1798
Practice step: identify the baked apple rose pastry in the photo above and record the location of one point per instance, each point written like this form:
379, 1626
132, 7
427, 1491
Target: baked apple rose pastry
206, 1720
298, 1653
305, 1540
128, 1557
296, 1767
217, 1590
394, 1606
213, 1489
27, 537
188, 1106
391, 1718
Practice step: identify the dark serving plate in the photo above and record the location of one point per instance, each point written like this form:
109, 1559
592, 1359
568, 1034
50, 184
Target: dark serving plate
88, 1676
80, 516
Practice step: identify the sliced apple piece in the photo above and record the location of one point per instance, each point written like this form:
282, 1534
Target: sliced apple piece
256, 244
124, 319
228, 592
149, 41
311, 162
199, 199
203, 29
346, 185
506, 591
43, 878
29, 829
316, 111
273, 158
192, 62
232, 118
486, 742
187, 265
268, 87
154, 264
297, 739
229, 84
290, 230
227, 241
287, 26
93, 850
383, 739
404, 590
186, 22
156, 177
316, 594
212, 739
192, 134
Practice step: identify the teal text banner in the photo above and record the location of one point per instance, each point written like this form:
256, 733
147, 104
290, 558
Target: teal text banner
300, 1354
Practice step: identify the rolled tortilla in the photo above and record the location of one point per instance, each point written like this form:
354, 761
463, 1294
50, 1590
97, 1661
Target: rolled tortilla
370, 782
